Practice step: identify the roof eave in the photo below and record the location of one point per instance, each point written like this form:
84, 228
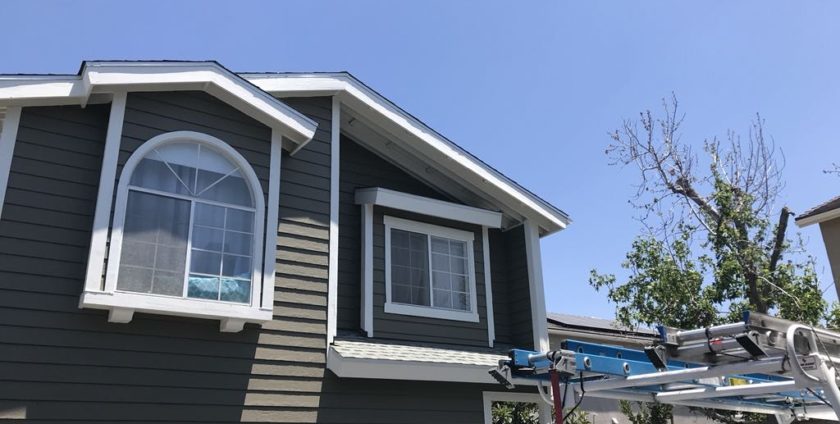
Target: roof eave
361, 98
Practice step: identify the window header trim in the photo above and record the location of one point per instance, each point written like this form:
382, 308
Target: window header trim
427, 206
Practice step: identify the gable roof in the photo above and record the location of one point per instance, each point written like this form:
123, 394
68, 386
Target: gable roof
822, 212
105, 77
402, 127
559, 321
256, 95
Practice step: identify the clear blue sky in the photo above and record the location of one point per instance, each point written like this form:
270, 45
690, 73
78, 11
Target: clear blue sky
530, 87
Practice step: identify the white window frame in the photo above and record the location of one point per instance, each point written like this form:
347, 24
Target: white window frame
437, 231
123, 304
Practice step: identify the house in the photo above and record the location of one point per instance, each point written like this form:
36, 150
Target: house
563, 327
826, 215
179, 242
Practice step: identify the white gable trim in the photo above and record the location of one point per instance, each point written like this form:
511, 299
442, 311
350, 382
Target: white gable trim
8, 137
426, 206
818, 218
364, 101
109, 77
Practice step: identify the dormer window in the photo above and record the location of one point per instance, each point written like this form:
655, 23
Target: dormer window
187, 237
189, 226
429, 270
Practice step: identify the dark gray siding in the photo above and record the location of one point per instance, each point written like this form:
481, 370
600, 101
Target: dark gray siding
59, 363
361, 168
516, 282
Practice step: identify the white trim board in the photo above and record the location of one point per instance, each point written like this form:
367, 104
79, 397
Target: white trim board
110, 77
366, 305
104, 197
488, 287
362, 100
335, 174
384, 369
539, 319
818, 218
427, 206
8, 137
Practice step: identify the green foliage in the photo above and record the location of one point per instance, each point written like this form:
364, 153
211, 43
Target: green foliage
528, 413
647, 412
713, 245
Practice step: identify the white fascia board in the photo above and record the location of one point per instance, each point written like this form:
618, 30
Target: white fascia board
361, 99
217, 81
427, 206
107, 77
384, 369
818, 218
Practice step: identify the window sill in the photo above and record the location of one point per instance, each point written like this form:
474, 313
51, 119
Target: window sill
122, 306
429, 312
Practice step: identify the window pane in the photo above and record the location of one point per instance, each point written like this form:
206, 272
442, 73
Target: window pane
156, 175
209, 215
440, 280
168, 283
207, 239
458, 248
440, 245
238, 243
201, 287
154, 238
138, 254
170, 259
235, 290
236, 266
443, 299
205, 262
229, 189
135, 279
458, 265
400, 293
409, 268
459, 283
240, 220
440, 262
461, 301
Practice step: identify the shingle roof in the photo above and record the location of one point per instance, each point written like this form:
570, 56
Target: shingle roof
821, 208
592, 323
358, 349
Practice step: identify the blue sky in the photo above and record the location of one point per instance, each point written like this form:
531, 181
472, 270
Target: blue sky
530, 87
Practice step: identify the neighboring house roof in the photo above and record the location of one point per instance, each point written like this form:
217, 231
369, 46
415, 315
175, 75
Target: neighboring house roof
822, 212
353, 357
583, 327
254, 94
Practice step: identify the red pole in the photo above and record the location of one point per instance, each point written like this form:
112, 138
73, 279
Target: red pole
555, 391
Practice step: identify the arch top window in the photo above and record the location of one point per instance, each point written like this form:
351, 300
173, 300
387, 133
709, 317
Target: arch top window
187, 234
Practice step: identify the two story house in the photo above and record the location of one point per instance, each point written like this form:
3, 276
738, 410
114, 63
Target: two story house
182, 243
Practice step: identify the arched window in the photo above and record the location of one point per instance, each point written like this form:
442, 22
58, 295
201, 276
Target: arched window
189, 226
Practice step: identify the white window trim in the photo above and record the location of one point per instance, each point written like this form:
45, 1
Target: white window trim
122, 305
430, 311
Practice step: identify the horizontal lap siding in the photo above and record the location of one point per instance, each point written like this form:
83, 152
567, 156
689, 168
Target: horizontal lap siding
362, 168
518, 292
60, 363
